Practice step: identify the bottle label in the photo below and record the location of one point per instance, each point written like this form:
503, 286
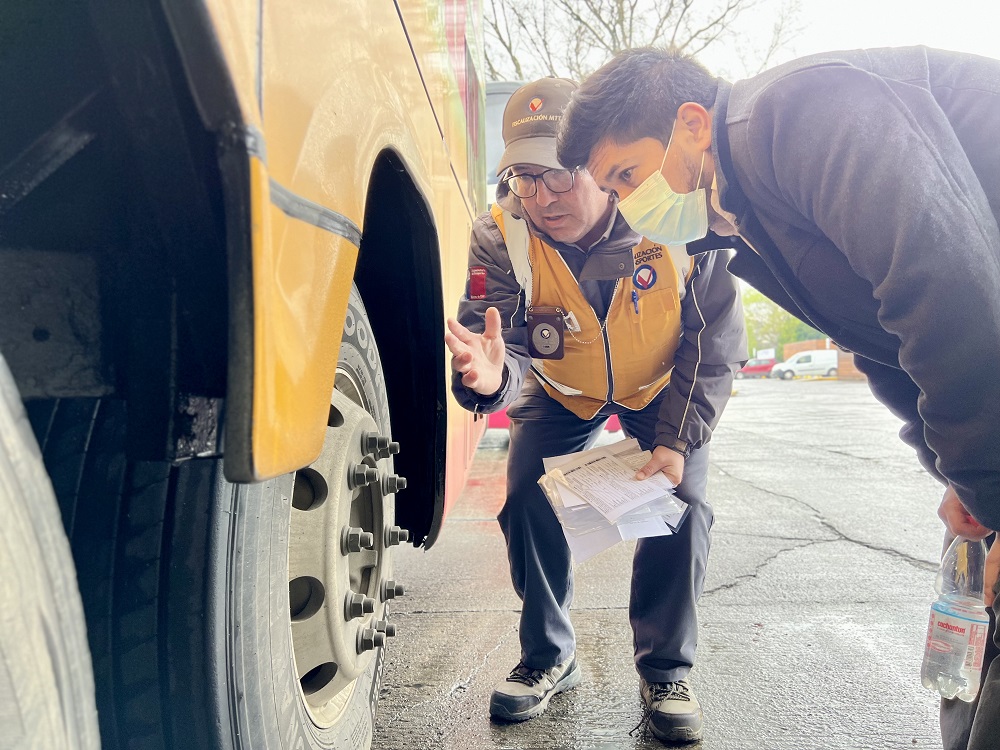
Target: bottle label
948, 632
977, 646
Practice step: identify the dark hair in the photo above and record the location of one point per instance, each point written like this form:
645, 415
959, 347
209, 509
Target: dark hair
635, 95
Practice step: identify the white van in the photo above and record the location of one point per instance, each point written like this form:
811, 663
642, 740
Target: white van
812, 362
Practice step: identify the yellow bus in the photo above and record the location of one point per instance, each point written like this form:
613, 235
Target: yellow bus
230, 234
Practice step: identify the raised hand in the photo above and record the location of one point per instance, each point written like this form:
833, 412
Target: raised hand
478, 356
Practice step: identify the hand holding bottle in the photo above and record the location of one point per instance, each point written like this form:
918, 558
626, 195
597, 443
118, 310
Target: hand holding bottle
958, 520
992, 573
956, 632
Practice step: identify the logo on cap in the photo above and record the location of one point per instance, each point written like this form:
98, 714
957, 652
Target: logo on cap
536, 104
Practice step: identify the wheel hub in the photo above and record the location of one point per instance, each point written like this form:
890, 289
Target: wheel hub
337, 562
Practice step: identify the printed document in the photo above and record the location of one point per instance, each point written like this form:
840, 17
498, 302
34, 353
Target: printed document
587, 529
605, 478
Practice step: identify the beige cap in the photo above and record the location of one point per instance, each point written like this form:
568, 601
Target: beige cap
531, 120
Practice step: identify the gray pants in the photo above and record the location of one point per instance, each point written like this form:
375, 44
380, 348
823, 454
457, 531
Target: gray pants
976, 725
668, 573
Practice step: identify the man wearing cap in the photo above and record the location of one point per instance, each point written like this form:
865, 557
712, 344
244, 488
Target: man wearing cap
570, 317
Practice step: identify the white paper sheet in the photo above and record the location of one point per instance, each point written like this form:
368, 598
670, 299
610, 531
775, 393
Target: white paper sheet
609, 484
587, 530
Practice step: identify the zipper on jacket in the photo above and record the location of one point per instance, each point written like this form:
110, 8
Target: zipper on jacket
607, 347
604, 330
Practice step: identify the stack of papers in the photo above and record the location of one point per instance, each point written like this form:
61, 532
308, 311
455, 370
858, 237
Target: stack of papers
599, 502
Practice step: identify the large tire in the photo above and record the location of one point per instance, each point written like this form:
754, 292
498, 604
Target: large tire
46, 682
187, 584
787, 374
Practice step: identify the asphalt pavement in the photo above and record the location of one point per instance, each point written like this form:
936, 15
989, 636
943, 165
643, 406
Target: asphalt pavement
811, 625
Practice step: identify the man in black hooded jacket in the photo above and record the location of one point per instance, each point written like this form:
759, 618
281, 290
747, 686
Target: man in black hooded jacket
861, 191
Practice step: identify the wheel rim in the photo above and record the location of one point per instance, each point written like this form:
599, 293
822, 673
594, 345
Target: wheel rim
334, 592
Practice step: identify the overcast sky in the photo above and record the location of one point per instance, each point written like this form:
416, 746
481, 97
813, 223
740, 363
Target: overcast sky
964, 25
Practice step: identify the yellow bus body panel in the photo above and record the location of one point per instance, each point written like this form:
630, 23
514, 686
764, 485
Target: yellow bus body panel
339, 86
298, 310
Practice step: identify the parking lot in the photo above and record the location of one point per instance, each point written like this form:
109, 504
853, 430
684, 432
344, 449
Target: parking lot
812, 621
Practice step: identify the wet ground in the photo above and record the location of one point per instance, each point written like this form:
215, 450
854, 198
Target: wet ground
812, 621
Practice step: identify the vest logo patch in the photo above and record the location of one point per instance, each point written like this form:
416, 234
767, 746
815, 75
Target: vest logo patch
644, 277
477, 282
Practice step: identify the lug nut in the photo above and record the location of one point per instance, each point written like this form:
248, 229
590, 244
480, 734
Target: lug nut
362, 475
354, 539
391, 589
358, 605
386, 627
377, 445
393, 483
395, 534
369, 639
369, 442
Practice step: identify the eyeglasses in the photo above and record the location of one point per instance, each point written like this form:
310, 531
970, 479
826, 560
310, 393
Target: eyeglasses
556, 180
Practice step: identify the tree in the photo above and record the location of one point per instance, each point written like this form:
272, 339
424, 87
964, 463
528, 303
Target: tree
527, 39
769, 326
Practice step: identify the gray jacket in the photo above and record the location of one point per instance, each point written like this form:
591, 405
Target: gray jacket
868, 182
713, 345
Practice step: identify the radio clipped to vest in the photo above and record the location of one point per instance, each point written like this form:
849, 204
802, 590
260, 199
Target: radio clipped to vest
546, 326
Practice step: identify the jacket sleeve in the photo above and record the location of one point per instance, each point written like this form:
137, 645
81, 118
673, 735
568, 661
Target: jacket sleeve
487, 251
713, 347
899, 393
878, 169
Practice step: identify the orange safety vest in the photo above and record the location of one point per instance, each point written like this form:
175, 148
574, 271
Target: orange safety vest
641, 346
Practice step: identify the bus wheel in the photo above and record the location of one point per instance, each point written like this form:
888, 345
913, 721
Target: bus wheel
341, 543
233, 616
46, 682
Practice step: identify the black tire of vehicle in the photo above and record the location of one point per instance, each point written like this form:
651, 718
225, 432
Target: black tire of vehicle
787, 374
832, 372
46, 682
185, 584
739, 375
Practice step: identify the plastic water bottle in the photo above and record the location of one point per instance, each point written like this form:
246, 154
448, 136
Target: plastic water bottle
956, 634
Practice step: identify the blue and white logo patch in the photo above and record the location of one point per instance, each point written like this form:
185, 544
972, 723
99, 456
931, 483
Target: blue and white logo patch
644, 277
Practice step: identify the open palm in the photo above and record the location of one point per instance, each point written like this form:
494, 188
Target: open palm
478, 356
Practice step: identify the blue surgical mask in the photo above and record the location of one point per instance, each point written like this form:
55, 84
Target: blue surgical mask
656, 212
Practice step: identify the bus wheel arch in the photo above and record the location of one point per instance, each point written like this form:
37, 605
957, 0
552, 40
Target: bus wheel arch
399, 278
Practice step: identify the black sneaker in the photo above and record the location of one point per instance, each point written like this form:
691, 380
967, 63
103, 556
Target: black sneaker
526, 692
673, 713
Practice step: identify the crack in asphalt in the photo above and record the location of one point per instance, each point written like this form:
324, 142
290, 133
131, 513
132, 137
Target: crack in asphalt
809, 446
740, 579
916, 562
716, 532
462, 685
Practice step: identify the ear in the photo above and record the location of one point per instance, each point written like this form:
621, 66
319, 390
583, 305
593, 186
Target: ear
697, 122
